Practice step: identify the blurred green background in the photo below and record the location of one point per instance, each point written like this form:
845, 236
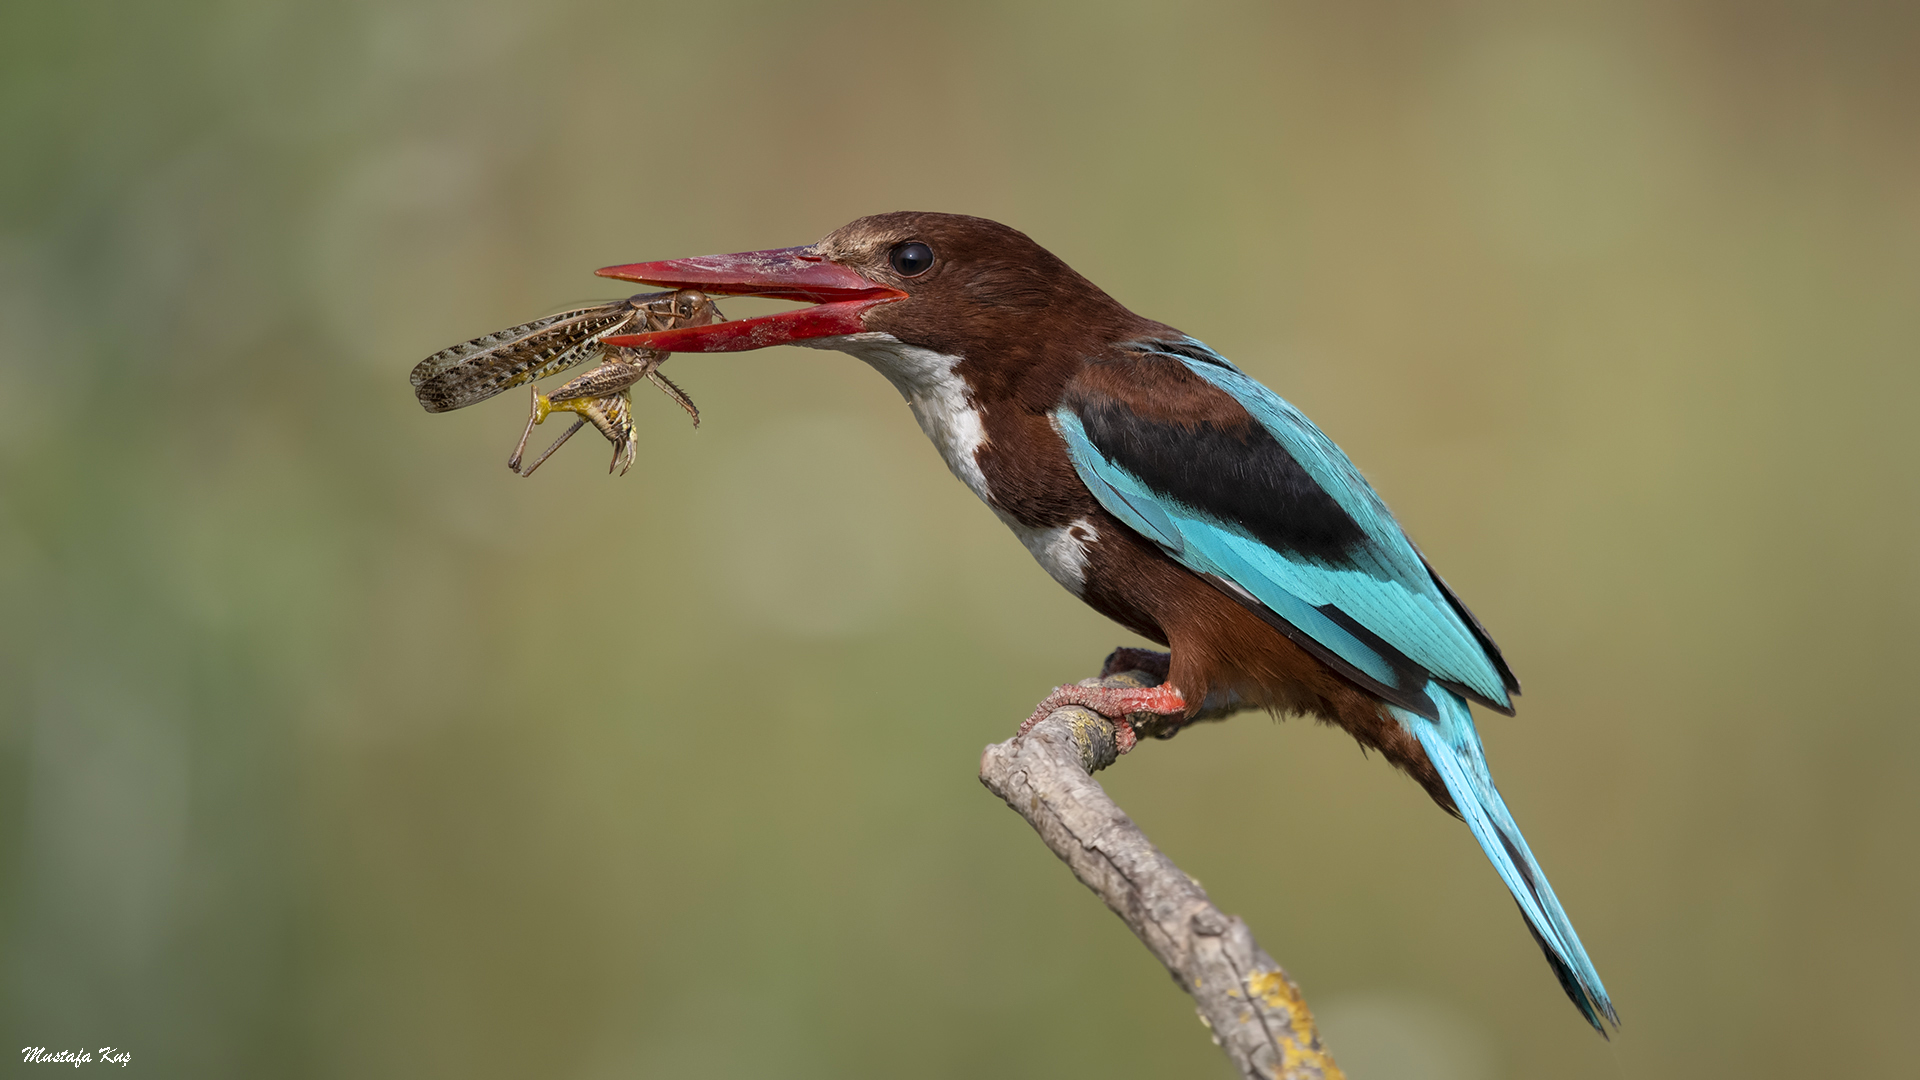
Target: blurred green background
330, 748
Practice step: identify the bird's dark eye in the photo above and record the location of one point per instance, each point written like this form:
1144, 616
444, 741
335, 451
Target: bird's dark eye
912, 258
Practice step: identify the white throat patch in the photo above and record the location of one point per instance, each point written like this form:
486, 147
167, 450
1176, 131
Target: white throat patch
938, 397
946, 411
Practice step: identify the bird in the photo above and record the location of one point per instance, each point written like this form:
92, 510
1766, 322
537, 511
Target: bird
1169, 491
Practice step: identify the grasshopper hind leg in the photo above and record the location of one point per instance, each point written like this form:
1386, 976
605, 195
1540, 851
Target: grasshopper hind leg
548, 452
533, 417
538, 413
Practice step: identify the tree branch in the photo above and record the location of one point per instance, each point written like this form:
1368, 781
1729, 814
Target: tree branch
1254, 1010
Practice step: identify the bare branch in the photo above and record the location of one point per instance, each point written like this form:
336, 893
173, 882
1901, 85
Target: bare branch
1255, 1011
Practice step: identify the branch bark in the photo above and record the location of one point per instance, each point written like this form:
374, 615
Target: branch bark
1255, 1011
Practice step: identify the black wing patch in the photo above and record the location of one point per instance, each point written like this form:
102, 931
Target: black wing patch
1240, 475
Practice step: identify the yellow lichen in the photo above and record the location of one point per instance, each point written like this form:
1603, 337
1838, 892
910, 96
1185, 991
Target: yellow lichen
1302, 1055
1274, 988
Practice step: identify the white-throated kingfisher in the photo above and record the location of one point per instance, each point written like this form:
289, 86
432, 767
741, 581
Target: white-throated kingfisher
1168, 490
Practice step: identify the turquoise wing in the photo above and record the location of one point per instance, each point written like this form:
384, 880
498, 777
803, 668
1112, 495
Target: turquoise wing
1330, 561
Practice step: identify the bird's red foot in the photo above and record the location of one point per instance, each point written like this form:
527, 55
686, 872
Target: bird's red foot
1116, 703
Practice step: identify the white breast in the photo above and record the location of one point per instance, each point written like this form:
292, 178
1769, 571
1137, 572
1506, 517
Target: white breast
946, 410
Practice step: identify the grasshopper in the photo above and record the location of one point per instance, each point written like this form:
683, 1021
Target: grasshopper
473, 371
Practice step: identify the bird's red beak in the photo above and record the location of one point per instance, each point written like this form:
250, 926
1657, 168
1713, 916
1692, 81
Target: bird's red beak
840, 298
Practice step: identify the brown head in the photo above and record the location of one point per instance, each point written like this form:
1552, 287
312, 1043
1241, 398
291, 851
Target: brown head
957, 285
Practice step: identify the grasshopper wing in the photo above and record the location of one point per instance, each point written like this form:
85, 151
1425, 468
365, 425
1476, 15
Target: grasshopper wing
473, 371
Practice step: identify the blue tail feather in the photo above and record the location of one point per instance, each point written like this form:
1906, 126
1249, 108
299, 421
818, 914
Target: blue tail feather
1454, 748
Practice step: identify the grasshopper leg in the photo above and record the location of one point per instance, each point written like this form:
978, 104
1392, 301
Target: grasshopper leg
673, 391
542, 406
557, 443
533, 417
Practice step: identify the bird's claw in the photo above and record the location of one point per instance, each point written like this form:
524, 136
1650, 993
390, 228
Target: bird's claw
1117, 703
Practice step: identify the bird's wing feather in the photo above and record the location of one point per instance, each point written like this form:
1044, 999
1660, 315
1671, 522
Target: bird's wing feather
1277, 510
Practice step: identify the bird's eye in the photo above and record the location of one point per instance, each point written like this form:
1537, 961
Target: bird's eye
912, 258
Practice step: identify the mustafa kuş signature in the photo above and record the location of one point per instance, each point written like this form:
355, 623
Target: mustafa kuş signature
40, 1055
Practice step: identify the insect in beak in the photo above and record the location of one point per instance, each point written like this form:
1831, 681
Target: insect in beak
475, 370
